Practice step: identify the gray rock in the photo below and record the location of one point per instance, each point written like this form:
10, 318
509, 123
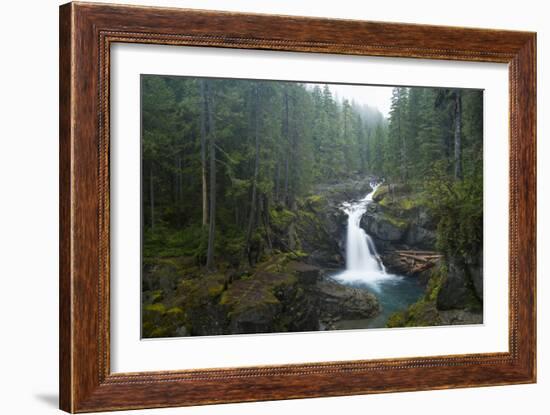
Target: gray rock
420, 238
380, 227
475, 269
455, 292
459, 317
337, 301
258, 319
181, 332
306, 273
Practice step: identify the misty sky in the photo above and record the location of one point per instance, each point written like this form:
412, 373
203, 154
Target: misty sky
373, 96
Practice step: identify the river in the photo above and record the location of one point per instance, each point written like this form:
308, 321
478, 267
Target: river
365, 269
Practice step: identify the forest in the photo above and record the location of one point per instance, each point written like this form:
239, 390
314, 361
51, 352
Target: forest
241, 176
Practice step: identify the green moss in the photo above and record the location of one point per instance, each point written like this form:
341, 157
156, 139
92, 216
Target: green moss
281, 218
156, 308
397, 320
156, 296
159, 332
203, 287
276, 263
386, 202
175, 310
381, 193
261, 289
420, 314
424, 312
215, 289
435, 282
314, 201
297, 255
398, 223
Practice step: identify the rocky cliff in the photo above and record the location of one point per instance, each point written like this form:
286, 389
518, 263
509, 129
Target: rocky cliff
400, 220
287, 290
281, 295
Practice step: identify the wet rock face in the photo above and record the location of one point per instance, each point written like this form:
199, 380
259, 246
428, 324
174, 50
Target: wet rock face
454, 292
339, 302
346, 191
303, 304
280, 296
420, 237
398, 219
457, 290
475, 268
382, 228
322, 223
454, 317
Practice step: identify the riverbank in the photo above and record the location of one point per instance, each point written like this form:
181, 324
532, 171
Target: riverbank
287, 288
401, 219
295, 281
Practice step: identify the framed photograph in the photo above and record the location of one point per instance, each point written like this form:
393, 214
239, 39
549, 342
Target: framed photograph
259, 207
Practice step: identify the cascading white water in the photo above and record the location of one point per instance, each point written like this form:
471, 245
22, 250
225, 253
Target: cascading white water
363, 264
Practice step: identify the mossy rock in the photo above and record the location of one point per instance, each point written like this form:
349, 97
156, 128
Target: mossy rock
315, 201
397, 222
380, 193
160, 321
205, 288
255, 292
420, 314
281, 218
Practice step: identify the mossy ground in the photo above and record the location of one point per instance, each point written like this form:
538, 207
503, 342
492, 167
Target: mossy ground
252, 289
424, 312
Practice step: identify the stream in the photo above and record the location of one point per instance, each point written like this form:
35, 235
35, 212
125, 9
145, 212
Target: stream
365, 269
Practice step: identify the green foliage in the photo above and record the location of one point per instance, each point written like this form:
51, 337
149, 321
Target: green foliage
437, 277
458, 207
156, 308
274, 141
305, 136
420, 314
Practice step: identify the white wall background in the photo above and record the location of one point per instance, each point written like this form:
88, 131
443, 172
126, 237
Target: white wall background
29, 207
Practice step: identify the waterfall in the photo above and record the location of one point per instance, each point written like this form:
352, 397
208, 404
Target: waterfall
363, 264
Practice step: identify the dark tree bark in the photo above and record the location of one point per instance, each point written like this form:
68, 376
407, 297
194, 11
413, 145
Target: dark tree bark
212, 154
277, 181
179, 189
204, 112
404, 161
289, 149
264, 214
252, 217
292, 229
152, 195
458, 135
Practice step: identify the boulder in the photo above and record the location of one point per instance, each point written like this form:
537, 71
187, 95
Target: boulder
384, 227
306, 273
460, 317
456, 291
420, 238
340, 302
475, 269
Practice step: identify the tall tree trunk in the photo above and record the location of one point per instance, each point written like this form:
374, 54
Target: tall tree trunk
212, 154
277, 181
203, 155
179, 190
292, 229
264, 215
289, 149
458, 135
403, 143
252, 217
152, 195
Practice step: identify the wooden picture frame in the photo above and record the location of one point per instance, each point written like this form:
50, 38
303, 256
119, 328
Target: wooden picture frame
86, 33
